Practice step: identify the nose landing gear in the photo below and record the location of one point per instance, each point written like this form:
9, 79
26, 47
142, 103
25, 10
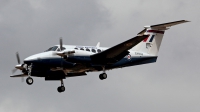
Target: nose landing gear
62, 87
29, 80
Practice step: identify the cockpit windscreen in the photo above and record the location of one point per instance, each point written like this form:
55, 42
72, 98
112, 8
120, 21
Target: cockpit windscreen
52, 48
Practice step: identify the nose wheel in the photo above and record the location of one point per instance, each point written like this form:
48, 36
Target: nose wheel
29, 81
62, 87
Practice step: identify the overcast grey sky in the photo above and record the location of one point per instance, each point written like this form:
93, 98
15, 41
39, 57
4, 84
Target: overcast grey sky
169, 85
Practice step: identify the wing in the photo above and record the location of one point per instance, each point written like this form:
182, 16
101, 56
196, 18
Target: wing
116, 53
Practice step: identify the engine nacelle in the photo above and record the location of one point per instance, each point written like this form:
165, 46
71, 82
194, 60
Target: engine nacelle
65, 53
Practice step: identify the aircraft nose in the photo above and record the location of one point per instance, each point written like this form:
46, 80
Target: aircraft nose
32, 59
38, 58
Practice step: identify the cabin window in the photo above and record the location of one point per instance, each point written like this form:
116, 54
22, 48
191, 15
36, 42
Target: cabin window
87, 49
93, 50
76, 48
98, 50
81, 49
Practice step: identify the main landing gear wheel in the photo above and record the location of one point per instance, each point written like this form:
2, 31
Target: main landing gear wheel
29, 81
103, 76
62, 87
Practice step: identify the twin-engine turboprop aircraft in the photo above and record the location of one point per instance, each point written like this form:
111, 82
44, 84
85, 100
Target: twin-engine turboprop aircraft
62, 61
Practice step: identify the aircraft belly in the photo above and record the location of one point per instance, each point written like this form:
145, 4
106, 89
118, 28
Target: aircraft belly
79, 68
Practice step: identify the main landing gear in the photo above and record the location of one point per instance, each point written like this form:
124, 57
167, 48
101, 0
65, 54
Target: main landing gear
103, 75
62, 87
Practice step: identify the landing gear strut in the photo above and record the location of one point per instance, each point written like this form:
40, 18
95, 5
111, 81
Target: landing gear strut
29, 80
62, 87
103, 75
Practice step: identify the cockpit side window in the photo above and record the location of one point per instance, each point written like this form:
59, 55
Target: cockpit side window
58, 49
63, 48
54, 48
49, 49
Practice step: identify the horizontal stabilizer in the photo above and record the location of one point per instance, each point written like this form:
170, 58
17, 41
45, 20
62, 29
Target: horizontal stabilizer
163, 26
166, 25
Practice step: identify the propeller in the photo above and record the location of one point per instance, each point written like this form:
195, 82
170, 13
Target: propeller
61, 48
14, 70
18, 61
61, 44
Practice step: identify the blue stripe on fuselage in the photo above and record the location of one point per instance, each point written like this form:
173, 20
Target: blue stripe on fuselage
134, 61
60, 62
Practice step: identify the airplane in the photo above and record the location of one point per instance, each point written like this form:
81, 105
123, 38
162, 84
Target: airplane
62, 61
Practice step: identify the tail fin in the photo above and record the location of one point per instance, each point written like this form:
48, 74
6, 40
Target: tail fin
151, 44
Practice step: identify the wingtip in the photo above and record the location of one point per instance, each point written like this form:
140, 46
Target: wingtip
187, 21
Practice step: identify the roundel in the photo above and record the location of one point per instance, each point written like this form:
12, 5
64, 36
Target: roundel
128, 56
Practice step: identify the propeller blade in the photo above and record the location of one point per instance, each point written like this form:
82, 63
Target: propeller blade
18, 59
18, 67
14, 70
22, 79
61, 43
20, 75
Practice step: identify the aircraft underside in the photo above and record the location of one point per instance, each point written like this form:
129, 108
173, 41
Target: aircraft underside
59, 69
55, 70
